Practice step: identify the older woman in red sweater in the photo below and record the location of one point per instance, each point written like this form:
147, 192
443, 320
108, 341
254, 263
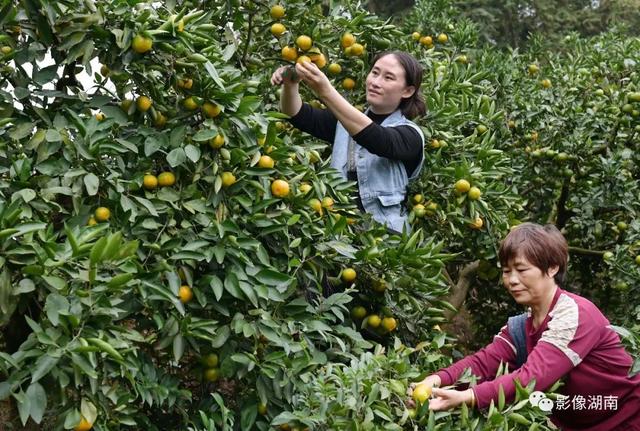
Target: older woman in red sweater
565, 336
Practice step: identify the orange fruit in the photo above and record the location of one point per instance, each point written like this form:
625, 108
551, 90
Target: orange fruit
357, 49
415, 36
334, 68
277, 11
426, 40
143, 103
102, 214
211, 360
185, 294
289, 53
262, 409
185, 83
278, 29
228, 179
546, 83
348, 84
304, 187
477, 223
303, 59
443, 38
150, 182
347, 40
374, 321
280, 188
421, 393
216, 142
100, 116
6, 50
160, 120
266, 162
358, 312
327, 202
92, 221
462, 186
83, 425
316, 205
304, 42
474, 193
211, 110
141, 44
348, 275
190, 104
320, 60
389, 324
533, 69
166, 179
211, 374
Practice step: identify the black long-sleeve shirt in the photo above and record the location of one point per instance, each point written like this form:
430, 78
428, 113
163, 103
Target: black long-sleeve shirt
401, 143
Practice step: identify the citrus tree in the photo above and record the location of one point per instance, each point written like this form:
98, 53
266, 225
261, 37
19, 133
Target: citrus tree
168, 245
174, 254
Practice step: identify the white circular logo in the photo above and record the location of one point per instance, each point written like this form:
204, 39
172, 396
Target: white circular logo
546, 405
536, 397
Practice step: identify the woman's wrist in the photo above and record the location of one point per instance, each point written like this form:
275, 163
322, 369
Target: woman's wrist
471, 401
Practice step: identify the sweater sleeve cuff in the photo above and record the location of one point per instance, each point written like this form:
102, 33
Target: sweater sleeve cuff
484, 393
445, 378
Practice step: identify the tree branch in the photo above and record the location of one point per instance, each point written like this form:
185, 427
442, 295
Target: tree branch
459, 290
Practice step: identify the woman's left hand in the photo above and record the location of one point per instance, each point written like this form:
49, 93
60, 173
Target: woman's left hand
314, 78
445, 399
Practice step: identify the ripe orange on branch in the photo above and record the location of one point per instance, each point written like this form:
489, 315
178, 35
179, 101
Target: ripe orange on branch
279, 188
347, 40
278, 29
421, 393
185, 294
143, 103
462, 186
150, 182
102, 214
83, 425
141, 44
166, 179
277, 11
304, 42
348, 275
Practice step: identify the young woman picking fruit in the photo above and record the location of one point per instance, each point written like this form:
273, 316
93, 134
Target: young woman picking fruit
381, 149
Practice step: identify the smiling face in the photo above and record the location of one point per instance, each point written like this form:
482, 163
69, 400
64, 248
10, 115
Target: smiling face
387, 85
527, 283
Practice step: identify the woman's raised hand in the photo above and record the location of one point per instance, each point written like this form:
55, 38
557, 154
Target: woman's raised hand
285, 75
314, 78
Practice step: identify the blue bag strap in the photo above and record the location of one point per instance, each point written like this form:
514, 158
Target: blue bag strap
516, 327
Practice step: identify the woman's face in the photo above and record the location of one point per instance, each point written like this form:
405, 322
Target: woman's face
386, 85
527, 283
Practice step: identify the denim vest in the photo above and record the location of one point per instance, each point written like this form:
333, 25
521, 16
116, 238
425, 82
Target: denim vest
382, 182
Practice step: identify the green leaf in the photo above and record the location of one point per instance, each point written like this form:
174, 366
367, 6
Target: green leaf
222, 335
178, 347
44, 364
38, 397
216, 286
205, 135
273, 278
92, 183
176, 157
55, 282
192, 152
96, 251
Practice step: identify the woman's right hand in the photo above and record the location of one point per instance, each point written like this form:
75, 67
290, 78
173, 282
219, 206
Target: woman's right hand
432, 381
284, 75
